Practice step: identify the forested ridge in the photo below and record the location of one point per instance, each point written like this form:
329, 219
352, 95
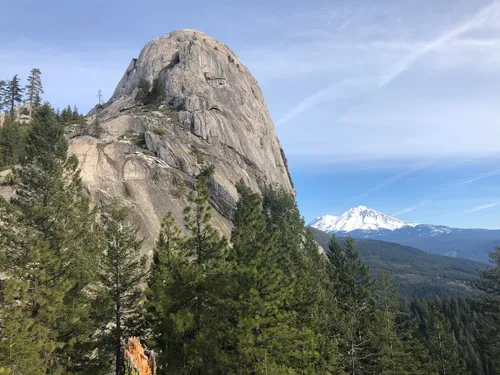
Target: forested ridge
264, 301
416, 273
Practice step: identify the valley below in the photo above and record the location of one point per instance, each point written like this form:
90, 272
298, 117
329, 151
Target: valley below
417, 273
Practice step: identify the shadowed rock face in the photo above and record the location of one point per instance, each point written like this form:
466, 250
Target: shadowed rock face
214, 113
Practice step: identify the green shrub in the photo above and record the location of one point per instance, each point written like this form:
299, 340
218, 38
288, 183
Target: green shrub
148, 94
144, 87
158, 130
97, 128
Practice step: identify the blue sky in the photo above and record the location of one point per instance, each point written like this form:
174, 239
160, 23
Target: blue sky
390, 104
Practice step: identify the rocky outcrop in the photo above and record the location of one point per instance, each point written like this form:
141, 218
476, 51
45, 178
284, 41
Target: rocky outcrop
20, 115
213, 112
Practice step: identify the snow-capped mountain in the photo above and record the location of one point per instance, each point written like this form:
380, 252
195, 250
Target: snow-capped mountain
324, 223
359, 218
366, 223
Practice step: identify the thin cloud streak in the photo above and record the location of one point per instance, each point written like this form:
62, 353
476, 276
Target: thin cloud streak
325, 95
390, 181
412, 208
482, 207
472, 179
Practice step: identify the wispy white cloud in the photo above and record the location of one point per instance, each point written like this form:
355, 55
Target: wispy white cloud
390, 181
488, 14
412, 207
481, 207
472, 179
346, 89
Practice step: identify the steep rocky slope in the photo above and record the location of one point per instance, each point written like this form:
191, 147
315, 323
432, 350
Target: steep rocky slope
214, 111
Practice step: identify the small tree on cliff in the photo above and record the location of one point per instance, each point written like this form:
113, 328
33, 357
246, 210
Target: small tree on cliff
13, 94
34, 89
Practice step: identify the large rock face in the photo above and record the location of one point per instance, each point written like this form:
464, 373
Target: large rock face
214, 113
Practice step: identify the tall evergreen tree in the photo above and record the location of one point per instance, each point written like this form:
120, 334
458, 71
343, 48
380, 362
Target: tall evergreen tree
3, 92
67, 115
443, 347
302, 261
118, 305
143, 89
267, 337
416, 359
188, 289
27, 342
470, 328
13, 94
352, 277
390, 358
37, 100
76, 114
165, 294
34, 89
32, 303
12, 143
299, 255
52, 202
489, 286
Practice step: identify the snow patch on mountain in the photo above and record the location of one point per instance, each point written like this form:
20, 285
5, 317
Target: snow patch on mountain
359, 218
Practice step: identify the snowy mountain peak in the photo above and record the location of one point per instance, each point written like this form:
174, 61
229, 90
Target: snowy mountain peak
324, 223
360, 208
359, 218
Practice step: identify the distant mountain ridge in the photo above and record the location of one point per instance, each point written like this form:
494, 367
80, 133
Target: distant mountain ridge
364, 222
417, 273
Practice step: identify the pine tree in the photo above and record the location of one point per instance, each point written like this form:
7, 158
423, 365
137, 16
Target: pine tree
34, 89
489, 286
165, 293
416, 359
192, 276
352, 279
67, 115
143, 89
37, 101
12, 143
299, 255
97, 128
3, 92
390, 359
13, 94
31, 309
324, 309
20, 349
443, 347
52, 202
75, 113
119, 297
207, 252
302, 261
157, 93
267, 338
